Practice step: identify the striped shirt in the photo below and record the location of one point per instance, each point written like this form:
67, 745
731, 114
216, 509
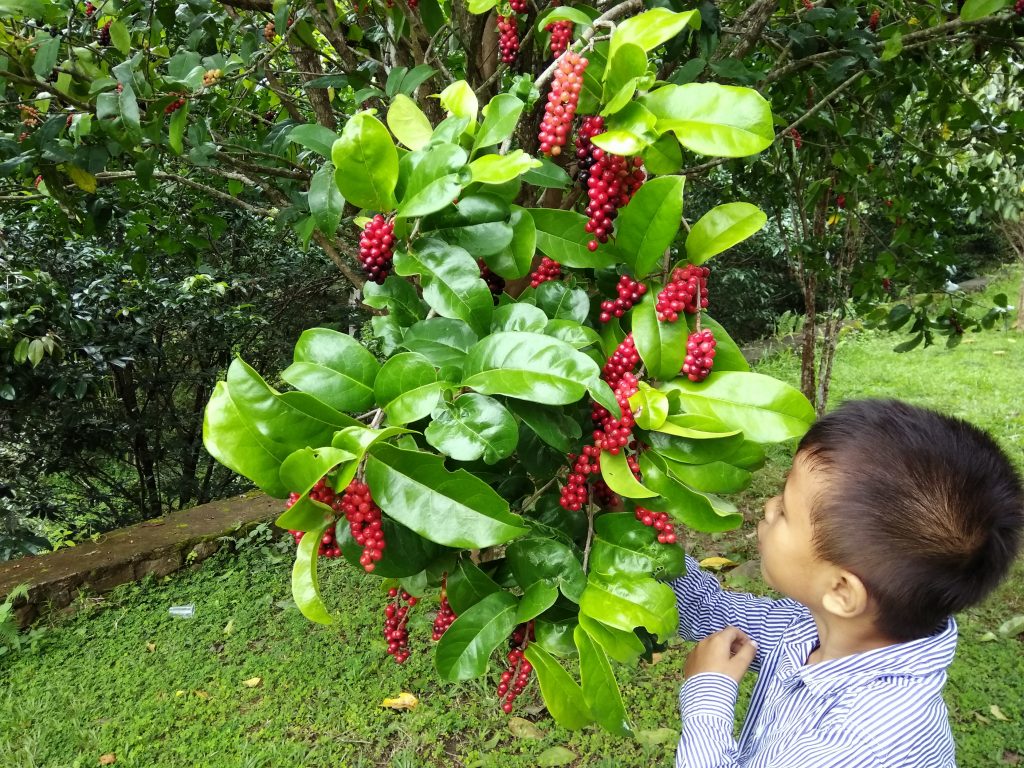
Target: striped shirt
877, 709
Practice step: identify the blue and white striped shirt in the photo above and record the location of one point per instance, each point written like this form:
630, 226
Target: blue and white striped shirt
878, 709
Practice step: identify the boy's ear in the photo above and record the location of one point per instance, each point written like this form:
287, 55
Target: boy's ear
847, 597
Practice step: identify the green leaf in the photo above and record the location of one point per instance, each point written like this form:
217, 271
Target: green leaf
451, 281
626, 64
663, 156
325, 201
451, 508
498, 169
894, 45
600, 691
562, 696
650, 406
47, 53
575, 15
429, 179
549, 561
652, 28
407, 121
713, 477
662, 346
700, 511
474, 426
648, 224
561, 236
529, 366
554, 630
713, 119
334, 368
468, 585
765, 409
366, 163
519, 317
537, 598
721, 228
571, 332
616, 473
515, 260
314, 137
443, 341
176, 129
128, 108
500, 117
979, 9
407, 388
479, 223
547, 175
460, 100
691, 446
560, 302
623, 544
552, 425
305, 587
464, 648
120, 37
619, 142
623, 646
304, 468
398, 297
625, 602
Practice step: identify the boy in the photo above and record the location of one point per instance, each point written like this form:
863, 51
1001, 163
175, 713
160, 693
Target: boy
892, 519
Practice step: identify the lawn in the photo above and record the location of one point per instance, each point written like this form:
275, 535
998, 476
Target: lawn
123, 677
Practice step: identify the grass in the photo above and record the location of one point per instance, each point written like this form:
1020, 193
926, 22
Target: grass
121, 676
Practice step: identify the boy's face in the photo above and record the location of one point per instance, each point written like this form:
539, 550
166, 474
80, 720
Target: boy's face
788, 561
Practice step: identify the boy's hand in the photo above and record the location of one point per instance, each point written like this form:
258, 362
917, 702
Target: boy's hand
728, 652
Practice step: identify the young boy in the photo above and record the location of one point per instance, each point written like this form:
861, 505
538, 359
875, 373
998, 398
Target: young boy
892, 519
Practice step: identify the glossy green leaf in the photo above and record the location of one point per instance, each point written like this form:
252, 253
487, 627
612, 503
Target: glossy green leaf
460, 99
765, 409
537, 598
128, 108
519, 317
500, 117
627, 63
721, 228
464, 648
575, 15
663, 156
692, 450
528, 366
552, 425
728, 356
549, 561
662, 346
561, 236
304, 468
451, 508
305, 586
562, 695
47, 52
334, 368
603, 395
650, 407
979, 9
713, 477
623, 646
366, 163
497, 169
621, 142
443, 341
407, 121
600, 690
398, 297
572, 333
428, 179
176, 129
560, 302
626, 602
407, 388
315, 137
649, 223
472, 427
325, 201
616, 473
699, 511
623, 544
651, 28
748, 455
713, 119
468, 585
479, 224
547, 176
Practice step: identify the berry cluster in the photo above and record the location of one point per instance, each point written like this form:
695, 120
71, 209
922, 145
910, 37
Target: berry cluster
622, 361
211, 76
396, 617
104, 36
375, 248
659, 521
413, 4
614, 433
700, 355
269, 31
686, 291
548, 269
445, 615
364, 521
515, 679
875, 16
630, 291
323, 493
574, 492
841, 200
808, 5
611, 181
519, 6
589, 128
90, 9
561, 105
174, 106
508, 38
561, 35
1018, 7
798, 140
496, 283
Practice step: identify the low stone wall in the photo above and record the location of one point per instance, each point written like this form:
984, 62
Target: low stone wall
156, 547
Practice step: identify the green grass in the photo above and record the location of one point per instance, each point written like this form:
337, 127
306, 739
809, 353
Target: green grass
90, 684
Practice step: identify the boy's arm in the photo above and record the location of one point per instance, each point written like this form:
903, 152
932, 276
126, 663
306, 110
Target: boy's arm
707, 704
705, 608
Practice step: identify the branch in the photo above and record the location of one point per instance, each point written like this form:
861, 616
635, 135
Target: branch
332, 252
45, 86
266, 6
107, 176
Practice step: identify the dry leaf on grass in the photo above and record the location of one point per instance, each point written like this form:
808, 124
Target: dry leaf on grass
404, 700
522, 728
108, 759
150, 647
997, 713
203, 695
252, 682
717, 563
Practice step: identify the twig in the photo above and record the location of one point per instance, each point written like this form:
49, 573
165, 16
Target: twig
590, 535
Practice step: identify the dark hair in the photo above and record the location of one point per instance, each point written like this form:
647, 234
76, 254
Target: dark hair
924, 508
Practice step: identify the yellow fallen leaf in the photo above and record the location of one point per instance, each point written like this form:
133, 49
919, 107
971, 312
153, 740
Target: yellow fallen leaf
522, 728
656, 657
180, 693
108, 759
229, 627
833, 219
717, 563
203, 695
252, 682
404, 700
150, 647
997, 713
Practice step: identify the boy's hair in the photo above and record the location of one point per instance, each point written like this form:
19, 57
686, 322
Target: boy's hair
925, 509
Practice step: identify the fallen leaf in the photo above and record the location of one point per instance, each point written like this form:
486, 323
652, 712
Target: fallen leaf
203, 695
656, 657
1012, 627
229, 627
998, 351
988, 637
150, 647
523, 729
108, 759
404, 700
657, 736
982, 719
180, 693
252, 682
997, 713
555, 756
717, 563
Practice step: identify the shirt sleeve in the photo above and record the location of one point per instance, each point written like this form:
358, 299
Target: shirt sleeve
705, 608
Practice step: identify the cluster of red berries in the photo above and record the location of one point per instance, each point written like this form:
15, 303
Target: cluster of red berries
573, 494
808, 5
700, 355
561, 35
515, 679
323, 493
686, 291
561, 104
375, 248
519, 6
798, 140
615, 433
622, 361
1018, 7
508, 38
841, 200
90, 9
548, 269
364, 521
104, 36
611, 180
659, 521
496, 283
590, 126
630, 292
174, 106
876, 15
413, 4
396, 617
445, 615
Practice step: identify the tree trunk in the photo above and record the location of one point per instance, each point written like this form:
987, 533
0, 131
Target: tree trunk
1020, 305
145, 466
810, 284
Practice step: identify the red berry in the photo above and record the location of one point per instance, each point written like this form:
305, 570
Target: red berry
797, 138
610, 180
545, 271
876, 15
682, 292
365, 523
104, 36
700, 355
629, 292
561, 103
519, 6
376, 248
508, 38
561, 34
496, 283
660, 522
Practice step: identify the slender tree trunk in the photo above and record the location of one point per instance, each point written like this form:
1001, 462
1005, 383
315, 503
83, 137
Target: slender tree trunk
807, 351
145, 466
1020, 304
